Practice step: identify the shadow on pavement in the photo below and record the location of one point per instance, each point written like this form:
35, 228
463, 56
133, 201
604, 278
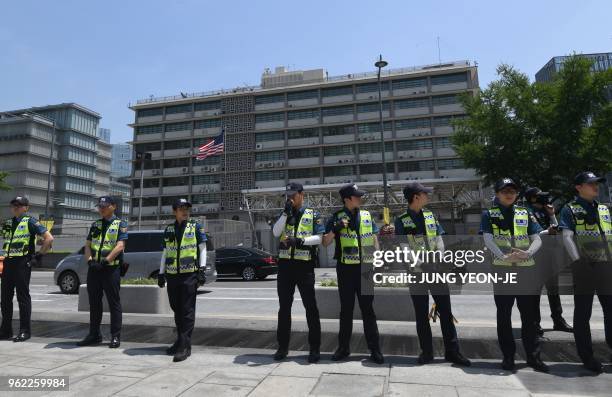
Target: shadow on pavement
146, 351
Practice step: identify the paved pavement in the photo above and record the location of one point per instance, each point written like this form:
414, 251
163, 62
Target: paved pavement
142, 369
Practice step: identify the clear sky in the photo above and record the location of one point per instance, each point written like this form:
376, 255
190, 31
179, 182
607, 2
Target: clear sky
105, 54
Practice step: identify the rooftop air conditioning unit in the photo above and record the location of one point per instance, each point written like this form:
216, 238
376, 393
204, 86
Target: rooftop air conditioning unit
194, 209
185, 170
258, 146
371, 97
206, 168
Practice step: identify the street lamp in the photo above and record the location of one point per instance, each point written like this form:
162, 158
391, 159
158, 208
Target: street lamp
381, 64
49, 172
141, 156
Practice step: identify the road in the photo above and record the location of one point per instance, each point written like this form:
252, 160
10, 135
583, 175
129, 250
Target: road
258, 300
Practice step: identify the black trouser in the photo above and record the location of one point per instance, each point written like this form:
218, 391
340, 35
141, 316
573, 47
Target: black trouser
105, 281
182, 293
16, 276
292, 273
420, 299
527, 308
590, 279
349, 285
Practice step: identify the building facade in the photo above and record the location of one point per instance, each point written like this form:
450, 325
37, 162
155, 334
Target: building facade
301, 126
601, 61
80, 167
121, 160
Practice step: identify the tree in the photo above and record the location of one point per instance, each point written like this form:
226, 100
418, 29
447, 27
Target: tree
4, 185
540, 134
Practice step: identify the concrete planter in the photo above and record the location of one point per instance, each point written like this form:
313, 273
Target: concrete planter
390, 304
134, 299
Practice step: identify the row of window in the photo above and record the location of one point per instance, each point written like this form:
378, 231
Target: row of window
184, 108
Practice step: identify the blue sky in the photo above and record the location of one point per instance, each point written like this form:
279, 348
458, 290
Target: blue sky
106, 54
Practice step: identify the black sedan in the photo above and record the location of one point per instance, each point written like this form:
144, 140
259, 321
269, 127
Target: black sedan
248, 263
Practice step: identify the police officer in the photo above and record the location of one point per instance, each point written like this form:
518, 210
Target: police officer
104, 252
18, 250
587, 237
512, 236
183, 266
300, 230
354, 233
548, 257
425, 233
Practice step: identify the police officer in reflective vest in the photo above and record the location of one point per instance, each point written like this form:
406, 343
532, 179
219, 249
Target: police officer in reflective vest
423, 232
104, 252
587, 236
548, 258
299, 229
183, 267
18, 250
354, 233
511, 234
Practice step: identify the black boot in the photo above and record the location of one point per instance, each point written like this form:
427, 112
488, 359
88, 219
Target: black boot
539, 330
377, 357
171, 351
340, 354
559, 324
90, 340
456, 357
314, 356
115, 342
22, 337
537, 364
593, 365
508, 363
280, 354
425, 358
182, 355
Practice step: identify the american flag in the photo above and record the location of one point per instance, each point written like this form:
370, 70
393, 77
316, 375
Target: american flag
210, 148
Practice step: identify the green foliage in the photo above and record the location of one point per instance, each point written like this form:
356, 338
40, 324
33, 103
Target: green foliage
540, 134
138, 281
4, 185
330, 282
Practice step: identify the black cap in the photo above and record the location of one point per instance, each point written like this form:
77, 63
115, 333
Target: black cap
182, 202
20, 201
505, 182
350, 190
587, 177
534, 192
415, 187
105, 201
293, 188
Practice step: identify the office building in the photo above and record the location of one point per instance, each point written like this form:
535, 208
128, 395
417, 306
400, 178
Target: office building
121, 160
601, 61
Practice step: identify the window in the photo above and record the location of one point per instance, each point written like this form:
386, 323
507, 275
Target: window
185, 126
83, 156
409, 166
79, 185
303, 153
211, 160
373, 127
375, 168
338, 130
269, 99
210, 123
270, 175
450, 164
449, 78
270, 136
179, 181
304, 133
374, 147
175, 163
186, 108
269, 117
445, 100
443, 143
207, 106
372, 87
148, 147
412, 103
169, 200
339, 150
150, 112
337, 91
343, 170
296, 173
205, 179
270, 156
409, 83
170, 145
446, 120
418, 144
303, 114
411, 124
372, 107
147, 182
150, 129
299, 95
337, 111
146, 202
152, 164
209, 198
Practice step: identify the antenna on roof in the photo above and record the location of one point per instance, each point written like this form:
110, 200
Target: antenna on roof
439, 58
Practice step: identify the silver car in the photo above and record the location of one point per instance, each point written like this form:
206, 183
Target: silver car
143, 253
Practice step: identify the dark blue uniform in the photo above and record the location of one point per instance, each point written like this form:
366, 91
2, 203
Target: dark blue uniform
105, 282
16, 277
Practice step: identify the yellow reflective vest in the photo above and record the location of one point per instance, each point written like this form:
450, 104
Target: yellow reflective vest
17, 243
356, 246
506, 239
187, 260
594, 243
102, 245
304, 229
419, 242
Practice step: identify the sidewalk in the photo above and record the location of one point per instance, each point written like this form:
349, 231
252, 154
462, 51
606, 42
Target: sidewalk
142, 369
